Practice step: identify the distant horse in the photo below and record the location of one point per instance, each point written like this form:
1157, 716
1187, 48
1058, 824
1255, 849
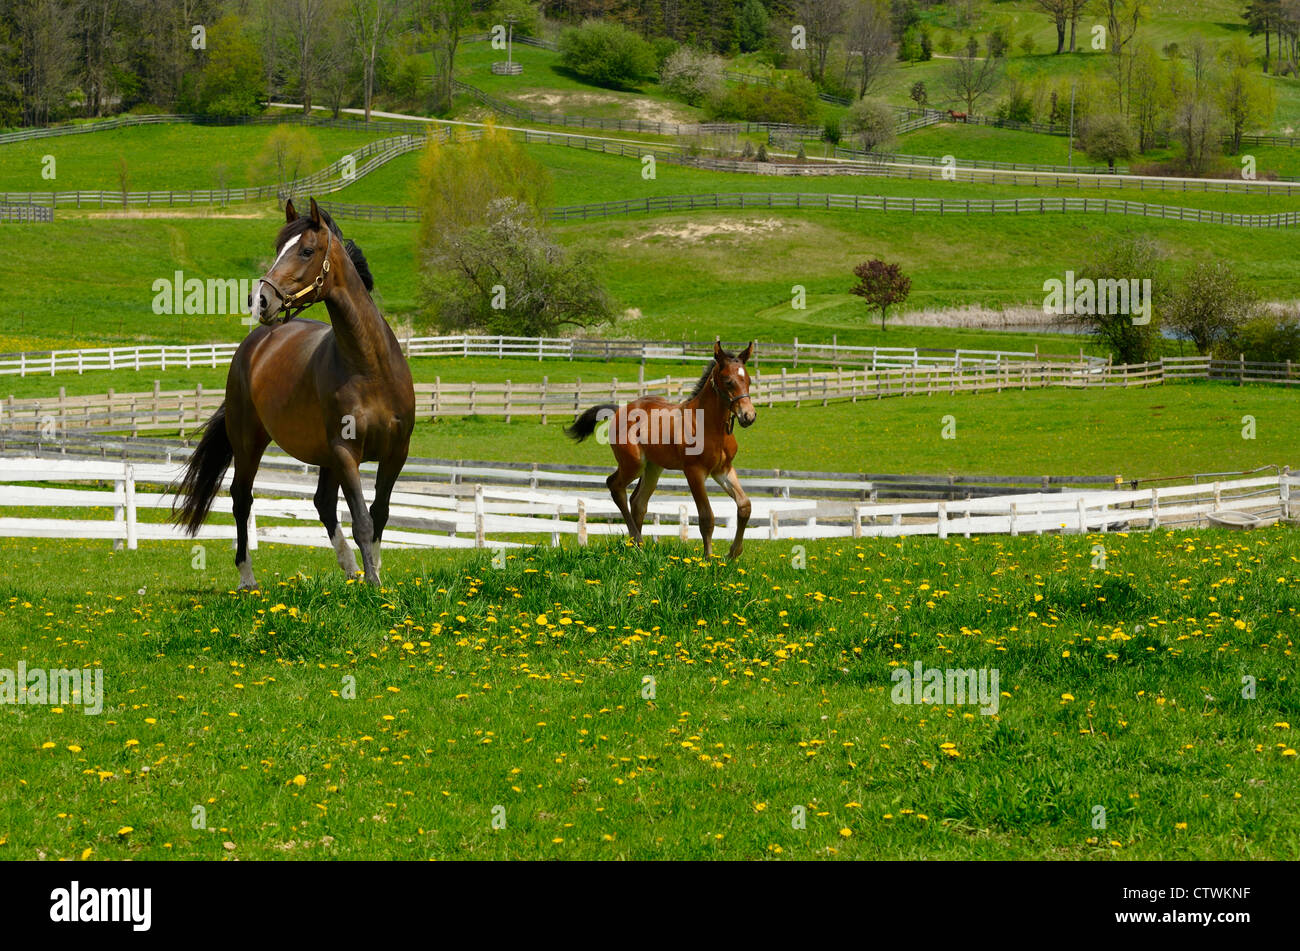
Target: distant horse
957, 116
333, 395
651, 434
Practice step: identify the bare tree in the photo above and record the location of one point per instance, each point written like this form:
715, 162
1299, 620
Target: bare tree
1059, 11
304, 20
969, 77
870, 44
822, 21
46, 57
370, 23
443, 21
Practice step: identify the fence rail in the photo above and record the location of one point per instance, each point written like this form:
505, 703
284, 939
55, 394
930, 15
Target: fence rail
455, 520
185, 410
940, 206
25, 213
396, 126
178, 356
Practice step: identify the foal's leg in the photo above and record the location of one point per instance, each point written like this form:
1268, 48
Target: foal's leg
389, 469
327, 499
363, 528
731, 484
628, 467
641, 495
695, 478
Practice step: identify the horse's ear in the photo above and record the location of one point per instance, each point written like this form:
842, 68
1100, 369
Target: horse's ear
747, 353
315, 211
290, 213
718, 352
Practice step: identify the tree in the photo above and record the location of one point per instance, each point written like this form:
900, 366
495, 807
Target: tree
231, 82
1244, 99
456, 181
288, 154
1058, 10
970, 77
692, 75
869, 44
918, 93
1197, 125
607, 54
304, 24
1105, 138
505, 276
443, 21
1148, 95
822, 21
1124, 258
1209, 305
752, 26
872, 121
369, 23
881, 285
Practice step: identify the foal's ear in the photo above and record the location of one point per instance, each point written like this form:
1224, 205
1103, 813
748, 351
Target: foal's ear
718, 353
747, 353
290, 213
315, 211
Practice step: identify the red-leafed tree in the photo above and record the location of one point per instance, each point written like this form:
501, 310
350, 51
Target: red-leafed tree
881, 285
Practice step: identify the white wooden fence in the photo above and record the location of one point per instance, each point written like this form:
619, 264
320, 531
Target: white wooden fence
418, 519
211, 355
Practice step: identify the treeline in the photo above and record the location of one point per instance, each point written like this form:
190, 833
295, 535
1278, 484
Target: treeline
68, 59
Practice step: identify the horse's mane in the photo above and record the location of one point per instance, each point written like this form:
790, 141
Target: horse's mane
304, 223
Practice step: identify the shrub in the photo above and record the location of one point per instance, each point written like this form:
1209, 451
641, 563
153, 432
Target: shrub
606, 54
872, 122
795, 102
691, 75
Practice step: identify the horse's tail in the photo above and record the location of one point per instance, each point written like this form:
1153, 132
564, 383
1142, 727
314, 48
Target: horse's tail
203, 474
585, 424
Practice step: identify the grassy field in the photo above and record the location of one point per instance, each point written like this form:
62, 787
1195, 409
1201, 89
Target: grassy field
522, 694
159, 157
1182, 429
688, 276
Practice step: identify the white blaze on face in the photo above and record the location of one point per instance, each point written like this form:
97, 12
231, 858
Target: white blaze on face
255, 305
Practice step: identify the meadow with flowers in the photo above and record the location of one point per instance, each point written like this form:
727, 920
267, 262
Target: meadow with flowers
608, 702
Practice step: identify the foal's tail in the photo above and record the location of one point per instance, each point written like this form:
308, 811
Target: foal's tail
585, 424
202, 476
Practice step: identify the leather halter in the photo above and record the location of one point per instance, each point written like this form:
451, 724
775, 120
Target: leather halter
287, 301
731, 401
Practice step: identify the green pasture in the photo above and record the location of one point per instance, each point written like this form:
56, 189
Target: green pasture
158, 157
687, 276
613, 703
1169, 431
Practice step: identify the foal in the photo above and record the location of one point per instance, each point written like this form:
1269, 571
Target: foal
650, 434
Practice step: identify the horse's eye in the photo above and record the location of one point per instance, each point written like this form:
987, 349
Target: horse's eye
307, 252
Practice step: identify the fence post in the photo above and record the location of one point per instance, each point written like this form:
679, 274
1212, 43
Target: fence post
1155, 509
1284, 491
479, 539
683, 523
942, 519
582, 521
1012, 528
129, 487
1083, 518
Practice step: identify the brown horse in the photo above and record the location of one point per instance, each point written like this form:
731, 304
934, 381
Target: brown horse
651, 434
332, 395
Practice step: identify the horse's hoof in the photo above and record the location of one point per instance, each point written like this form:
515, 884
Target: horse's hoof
250, 587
